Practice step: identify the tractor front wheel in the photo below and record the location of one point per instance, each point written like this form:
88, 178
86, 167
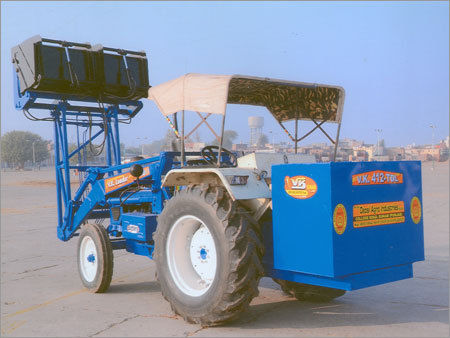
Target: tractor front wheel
208, 255
310, 293
95, 258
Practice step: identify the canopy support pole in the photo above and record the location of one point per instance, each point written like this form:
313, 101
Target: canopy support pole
175, 121
221, 140
207, 124
203, 120
182, 139
337, 141
285, 130
296, 132
312, 130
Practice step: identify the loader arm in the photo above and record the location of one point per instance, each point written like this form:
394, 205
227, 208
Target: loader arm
101, 188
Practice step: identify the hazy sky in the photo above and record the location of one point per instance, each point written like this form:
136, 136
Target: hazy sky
392, 58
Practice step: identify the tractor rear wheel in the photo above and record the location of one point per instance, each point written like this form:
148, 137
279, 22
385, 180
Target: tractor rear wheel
310, 293
208, 255
95, 258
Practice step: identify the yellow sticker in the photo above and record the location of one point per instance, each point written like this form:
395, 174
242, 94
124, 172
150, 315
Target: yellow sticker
300, 187
416, 210
377, 177
372, 214
339, 219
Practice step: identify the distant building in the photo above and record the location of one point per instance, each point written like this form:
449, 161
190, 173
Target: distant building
357, 151
367, 149
380, 158
359, 156
395, 153
350, 143
444, 152
429, 154
239, 147
194, 146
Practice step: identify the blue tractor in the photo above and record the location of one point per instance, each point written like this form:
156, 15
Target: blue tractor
214, 222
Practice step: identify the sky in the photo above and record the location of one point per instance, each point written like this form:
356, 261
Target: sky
392, 58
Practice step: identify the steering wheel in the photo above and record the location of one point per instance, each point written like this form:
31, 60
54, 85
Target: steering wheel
209, 156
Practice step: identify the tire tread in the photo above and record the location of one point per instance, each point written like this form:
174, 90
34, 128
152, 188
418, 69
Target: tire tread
245, 252
306, 292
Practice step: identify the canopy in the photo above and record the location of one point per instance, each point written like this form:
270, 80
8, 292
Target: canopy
286, 100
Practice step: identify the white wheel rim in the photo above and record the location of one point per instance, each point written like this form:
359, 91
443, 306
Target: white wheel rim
88, 259
191, 256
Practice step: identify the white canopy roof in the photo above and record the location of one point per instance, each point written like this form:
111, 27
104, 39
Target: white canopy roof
286, 100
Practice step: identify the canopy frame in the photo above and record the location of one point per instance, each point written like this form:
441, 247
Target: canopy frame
285, 100
297, 139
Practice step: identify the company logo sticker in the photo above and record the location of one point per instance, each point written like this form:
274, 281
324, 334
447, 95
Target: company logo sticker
416, 210
134, 229
377, 177
339, 219
122, 180
300, 187
372, 214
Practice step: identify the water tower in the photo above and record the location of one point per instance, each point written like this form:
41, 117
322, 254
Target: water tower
256, 124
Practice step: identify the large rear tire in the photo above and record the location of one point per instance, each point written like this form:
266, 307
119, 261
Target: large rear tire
95, 258
208, 255
310, 293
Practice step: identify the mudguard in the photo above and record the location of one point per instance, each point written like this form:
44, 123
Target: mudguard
255, 187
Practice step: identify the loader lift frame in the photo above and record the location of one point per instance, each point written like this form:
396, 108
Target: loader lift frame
91, 200
63, 114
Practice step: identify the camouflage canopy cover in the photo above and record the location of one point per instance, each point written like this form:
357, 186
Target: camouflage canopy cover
286, 100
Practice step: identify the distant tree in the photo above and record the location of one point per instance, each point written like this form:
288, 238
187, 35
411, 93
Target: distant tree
153, 147
228, 139
90, 156
17, 148
262, 141
132, 151
168, 143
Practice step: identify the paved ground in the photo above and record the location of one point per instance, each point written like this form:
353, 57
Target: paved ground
41, 294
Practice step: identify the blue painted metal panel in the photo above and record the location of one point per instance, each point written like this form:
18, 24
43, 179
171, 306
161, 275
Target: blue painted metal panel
350, 282
378, 246
138, 226
139, 248
301, 231
380, 232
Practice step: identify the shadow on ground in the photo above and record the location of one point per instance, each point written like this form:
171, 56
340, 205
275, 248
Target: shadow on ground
142, 287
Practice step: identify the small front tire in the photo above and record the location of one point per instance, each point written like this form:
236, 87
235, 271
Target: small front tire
95, 258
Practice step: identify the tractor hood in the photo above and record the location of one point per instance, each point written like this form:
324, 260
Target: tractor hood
286, 100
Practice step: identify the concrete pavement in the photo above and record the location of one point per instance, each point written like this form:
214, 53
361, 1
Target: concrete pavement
41, 294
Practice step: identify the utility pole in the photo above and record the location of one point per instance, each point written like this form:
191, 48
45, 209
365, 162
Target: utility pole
34, 156
433, 127
142, 145
273, 142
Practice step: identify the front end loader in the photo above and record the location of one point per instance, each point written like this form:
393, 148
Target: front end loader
214, 222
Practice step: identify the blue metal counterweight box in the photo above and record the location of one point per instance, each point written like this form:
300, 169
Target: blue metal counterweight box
347, 225
138, 226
